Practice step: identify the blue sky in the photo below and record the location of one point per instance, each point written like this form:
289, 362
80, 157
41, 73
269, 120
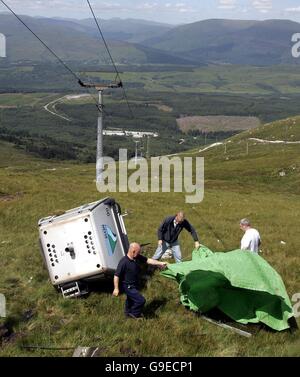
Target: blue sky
169, 11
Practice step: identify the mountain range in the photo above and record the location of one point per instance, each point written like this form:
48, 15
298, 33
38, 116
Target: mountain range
231, 41
259, 43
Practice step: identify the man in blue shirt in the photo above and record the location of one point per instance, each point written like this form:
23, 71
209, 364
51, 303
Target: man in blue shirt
168, 234
126, 277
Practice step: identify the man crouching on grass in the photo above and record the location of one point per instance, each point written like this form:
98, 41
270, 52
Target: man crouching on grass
126, 277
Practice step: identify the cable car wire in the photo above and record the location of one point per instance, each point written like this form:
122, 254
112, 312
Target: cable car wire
43, 43
49, 49
111, 58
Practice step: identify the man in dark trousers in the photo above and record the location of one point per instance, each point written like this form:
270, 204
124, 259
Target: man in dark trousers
168, 234
126, 277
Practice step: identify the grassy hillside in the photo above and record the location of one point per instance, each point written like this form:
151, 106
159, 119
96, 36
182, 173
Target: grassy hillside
287, 129
242, 80
260, 166
237, 184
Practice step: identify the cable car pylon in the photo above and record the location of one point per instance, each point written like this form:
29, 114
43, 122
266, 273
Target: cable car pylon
99, 154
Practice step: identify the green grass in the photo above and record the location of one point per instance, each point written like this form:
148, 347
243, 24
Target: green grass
218, 79
279, 80
24, 99
286, 129
237, 185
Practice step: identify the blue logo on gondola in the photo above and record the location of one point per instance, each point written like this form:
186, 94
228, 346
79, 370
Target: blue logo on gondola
110, 239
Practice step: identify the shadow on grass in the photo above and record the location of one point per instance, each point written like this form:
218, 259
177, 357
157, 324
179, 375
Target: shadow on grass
253, 328
151, 308
101, 286
7, 330
106, 284
220, 317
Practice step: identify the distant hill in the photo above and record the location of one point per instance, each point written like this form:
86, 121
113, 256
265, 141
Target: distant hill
258, 43
232, 41
129, 30
73, 41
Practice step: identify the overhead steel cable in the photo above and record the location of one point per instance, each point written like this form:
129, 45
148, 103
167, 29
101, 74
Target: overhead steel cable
43, 43
104, 41
111, 58
48, 48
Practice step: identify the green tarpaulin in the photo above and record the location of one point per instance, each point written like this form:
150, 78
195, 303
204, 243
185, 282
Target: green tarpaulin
239, 283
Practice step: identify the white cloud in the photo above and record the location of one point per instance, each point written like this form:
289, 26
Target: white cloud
63, 5
263, 6
148, 6
179, 7
101, 7
292, 10
227, 4
172, 11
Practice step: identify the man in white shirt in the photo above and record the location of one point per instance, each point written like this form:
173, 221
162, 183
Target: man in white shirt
251, 240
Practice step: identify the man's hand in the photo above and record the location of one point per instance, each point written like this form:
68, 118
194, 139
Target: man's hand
163, 265
160, 243
197, 245
116, 292
156, 263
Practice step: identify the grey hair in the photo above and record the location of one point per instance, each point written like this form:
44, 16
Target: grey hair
133, 245
245, 222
